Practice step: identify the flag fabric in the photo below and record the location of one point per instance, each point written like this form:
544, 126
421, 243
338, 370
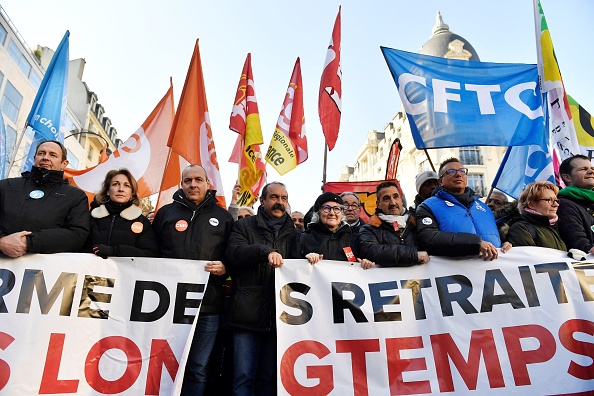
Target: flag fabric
562, 132
48, 113
392, 165
3, 158
245, 120
144, 154
191, 134
330, 96
288, 147
583, 123
454, 103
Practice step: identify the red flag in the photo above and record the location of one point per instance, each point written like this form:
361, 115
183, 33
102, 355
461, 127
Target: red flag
144, 154
191, 133
245, 120
288, 147
330, 97
392, 166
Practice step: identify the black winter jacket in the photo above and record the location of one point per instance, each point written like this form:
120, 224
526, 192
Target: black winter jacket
379, 242
129, 233
59, 219
535, 230
576, 222
250, 243
319, 239
204, 238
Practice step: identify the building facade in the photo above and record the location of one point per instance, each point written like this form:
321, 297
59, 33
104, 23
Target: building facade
372, 158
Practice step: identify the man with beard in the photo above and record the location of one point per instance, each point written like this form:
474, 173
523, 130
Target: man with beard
389, 239
453, 222
257, 246
352, 211
194, 227
40, 212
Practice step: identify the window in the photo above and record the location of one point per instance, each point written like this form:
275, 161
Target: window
11, 102
35, 80
477, 184
1, 76
3, 34
425, 166
19, 58
73, 161
11, 136
471, 155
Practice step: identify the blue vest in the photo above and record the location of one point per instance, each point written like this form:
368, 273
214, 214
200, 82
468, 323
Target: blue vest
452, 216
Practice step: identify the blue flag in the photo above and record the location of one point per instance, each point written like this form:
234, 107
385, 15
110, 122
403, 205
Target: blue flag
455, 103
48, 113
3, 158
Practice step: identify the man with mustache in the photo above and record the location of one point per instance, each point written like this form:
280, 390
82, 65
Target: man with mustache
194, 227
257, 246
40, 212
389, 239
453, 222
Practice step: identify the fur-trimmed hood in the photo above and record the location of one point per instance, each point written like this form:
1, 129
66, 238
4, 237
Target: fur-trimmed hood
130, 213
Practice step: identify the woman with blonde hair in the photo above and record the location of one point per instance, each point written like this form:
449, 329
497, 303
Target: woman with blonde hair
119, 228
537, 226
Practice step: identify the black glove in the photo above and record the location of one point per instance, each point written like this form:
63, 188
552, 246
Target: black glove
103, 251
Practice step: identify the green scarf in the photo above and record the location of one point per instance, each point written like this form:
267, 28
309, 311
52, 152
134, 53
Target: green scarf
573, 192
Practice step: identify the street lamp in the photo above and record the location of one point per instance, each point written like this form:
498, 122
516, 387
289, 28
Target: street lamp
107, 149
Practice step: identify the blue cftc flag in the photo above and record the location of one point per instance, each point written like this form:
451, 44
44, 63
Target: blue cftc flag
48, 113
454, 103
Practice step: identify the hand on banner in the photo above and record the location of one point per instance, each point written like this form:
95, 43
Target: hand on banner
506, 246
275, 259
488, 251
14, 245
422, 257
215, 268
314, 258
366, 264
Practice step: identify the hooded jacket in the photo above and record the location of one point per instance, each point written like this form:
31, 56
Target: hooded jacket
196, 232
42, 202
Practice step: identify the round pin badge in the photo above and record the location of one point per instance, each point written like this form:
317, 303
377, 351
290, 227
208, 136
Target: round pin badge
213, 222
137, 227
427, 221
36, 194
181, 225
449, 203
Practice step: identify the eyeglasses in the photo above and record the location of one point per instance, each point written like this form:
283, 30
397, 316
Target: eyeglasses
351, 206
452, 172
335, 209
549, 200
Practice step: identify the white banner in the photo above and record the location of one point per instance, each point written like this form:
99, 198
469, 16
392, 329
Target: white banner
78, 324
522, 324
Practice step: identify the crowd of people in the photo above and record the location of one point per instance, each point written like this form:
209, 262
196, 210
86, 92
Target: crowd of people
234, 346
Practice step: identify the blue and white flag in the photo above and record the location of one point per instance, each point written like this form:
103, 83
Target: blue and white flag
454, 103
48, 113
3, 158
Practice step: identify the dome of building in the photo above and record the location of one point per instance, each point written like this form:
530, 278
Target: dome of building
445, 44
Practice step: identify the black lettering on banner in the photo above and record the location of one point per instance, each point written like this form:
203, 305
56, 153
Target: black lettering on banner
34, 279
555, 103
554, 269
584, 280
529, 288
416, 286
339, 304
181, 302
89, 295
136, 314
509, 295
7, 278
297, 303
378, 302
446, 298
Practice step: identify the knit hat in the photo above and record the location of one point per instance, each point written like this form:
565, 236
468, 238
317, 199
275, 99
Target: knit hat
327, 197
423, 177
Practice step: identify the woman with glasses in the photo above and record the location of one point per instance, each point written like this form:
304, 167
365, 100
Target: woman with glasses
538, 224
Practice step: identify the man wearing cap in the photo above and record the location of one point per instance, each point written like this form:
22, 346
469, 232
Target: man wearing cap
425, 182
352, 210
453, 222
194, 227
389, 239
40, 212
257, 246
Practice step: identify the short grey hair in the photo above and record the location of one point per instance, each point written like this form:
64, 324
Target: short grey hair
351, 193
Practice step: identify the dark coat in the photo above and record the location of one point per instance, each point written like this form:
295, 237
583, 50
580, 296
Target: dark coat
59, 221
535, 230
319, 239
117, 232
205, 238
250, 243
576, 220
379, 242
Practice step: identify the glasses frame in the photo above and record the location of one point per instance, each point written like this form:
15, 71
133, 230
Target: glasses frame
352, 206
454, 172
550, 200
334, 209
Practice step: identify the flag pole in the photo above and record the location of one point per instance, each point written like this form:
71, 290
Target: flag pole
325, 162
429, 159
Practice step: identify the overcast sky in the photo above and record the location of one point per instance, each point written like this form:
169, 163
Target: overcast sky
132, 47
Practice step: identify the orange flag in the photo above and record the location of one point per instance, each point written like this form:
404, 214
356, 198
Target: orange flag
144, 154
245, 120
191, 133
288, 147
